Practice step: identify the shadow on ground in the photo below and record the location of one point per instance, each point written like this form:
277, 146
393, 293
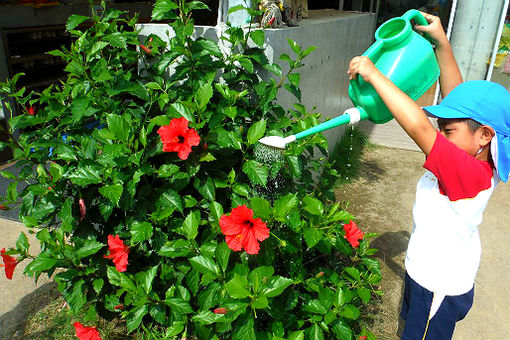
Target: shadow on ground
391, 245
11, 323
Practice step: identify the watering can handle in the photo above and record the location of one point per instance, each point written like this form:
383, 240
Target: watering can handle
415, 15
370, 53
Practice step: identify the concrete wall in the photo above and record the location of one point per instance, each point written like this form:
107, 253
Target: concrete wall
339, 36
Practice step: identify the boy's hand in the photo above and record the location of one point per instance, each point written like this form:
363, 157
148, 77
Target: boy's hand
363, 66
434, 29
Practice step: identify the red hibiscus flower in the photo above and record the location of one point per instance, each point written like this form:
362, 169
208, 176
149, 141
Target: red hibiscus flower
31, 110
9, 264
220, 311
177, 137
353, 234
242, 230
86, 333
118, 253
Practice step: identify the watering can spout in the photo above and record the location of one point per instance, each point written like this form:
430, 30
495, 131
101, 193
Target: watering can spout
351, 116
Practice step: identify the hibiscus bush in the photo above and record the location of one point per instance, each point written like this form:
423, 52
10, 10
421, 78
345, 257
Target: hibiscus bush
153, 201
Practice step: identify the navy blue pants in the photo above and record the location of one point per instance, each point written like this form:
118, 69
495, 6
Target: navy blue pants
416, 308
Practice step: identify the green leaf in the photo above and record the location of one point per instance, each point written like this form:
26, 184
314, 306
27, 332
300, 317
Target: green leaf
135, 316
294, 46
95, 49
283, 205
315, 332
84, 175
313, 206
256, 131
256, 172
315, 306
350, 311
158, 312
119, 126
296, 335
237, 287
241, 189
163, 9
190, 225
342, 330
140, 231
246, 64
354, 273
293, 89
148, 278
261, 207
234, 9
179, 306
207, 317
112, 192
181, 110
294, 79
75, 295
114, 276
222, 253
203, 95
363, 293
308, 51
41, 263
75, 20
89, 247
175, 248
274, 69
276, 286
170, 199
259, 275
216, 210
246, 331
258, 36
98, 284
22, 242
260, 302
312, 236
56, 171
342, 296
205, 265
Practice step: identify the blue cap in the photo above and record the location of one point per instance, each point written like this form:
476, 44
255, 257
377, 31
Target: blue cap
487, 103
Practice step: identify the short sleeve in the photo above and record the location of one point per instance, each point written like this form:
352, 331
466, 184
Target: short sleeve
459, 174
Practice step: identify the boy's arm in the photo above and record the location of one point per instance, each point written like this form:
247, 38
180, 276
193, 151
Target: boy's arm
450, 75
406, 112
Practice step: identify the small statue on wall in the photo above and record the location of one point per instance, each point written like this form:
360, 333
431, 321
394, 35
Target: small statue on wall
280, 13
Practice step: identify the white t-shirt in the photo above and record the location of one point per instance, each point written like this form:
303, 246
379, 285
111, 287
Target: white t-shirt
444, 249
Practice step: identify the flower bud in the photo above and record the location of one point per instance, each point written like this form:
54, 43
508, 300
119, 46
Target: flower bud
83, 209
319, 274
220, 310
3, 207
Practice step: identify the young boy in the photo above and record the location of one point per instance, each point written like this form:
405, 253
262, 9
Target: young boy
464, 160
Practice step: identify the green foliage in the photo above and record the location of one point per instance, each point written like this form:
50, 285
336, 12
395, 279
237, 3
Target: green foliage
100, 170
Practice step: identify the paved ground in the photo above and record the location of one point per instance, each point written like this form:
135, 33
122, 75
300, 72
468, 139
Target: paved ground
382, 199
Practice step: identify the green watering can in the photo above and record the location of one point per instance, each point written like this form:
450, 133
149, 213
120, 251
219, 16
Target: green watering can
402, 55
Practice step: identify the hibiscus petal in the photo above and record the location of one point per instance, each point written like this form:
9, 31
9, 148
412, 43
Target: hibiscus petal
192, 138
171, 147
250, 244
229, 226
184, 151
234, 242
260, 230
241, 214
121, 261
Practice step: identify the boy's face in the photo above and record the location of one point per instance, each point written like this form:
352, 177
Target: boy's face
458, 132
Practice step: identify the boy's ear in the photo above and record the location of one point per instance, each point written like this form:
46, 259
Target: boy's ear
486, 134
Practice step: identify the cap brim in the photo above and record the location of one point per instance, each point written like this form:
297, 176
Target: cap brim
443, 111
